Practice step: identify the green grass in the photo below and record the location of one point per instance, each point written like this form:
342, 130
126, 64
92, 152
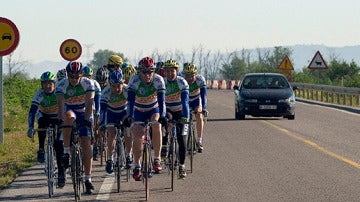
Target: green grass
17, 152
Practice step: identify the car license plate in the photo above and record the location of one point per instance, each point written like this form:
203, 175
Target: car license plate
267, 107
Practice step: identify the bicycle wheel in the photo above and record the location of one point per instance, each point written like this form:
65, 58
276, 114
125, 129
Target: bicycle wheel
119, 162
146, 170
49, 159
191, 145
78, 174
172, 161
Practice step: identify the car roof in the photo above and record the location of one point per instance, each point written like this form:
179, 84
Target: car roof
263, 74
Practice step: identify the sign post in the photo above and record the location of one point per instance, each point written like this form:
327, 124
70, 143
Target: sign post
9, 39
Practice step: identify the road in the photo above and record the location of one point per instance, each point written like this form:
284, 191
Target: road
312, 158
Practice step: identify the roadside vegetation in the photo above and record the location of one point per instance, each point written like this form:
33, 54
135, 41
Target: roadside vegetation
17, 151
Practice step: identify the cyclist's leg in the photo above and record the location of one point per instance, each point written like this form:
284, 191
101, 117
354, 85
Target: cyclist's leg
69, 119
156, 139
43, 123
196, 105
137, 132
110, 148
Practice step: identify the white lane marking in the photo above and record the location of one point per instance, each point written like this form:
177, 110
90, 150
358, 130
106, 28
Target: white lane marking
105, 189
331, 108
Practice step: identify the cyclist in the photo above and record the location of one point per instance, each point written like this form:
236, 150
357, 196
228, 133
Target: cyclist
128, 71
44, 106
114, 63
75, 97
101, 77
61, 74
146, 101
114, 105
197, 99
88, 72
160, 69
177, 104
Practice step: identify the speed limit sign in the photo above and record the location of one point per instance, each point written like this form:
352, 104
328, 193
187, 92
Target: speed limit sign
70, 49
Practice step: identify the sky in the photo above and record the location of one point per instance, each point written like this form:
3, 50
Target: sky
136, 28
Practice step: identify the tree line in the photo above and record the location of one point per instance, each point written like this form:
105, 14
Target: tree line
232, 65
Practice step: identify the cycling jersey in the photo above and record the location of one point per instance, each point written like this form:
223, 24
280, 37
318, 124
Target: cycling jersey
177, 96
145, 97
113, 104
75, 95
44, 103
97, 96
198, 91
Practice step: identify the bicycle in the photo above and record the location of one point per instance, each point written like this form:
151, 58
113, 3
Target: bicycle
172, 158
103, 148
147, 160
76, 168
50, 164
120, 160
192, 140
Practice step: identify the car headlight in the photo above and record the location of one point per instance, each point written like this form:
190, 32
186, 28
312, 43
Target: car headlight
290, 100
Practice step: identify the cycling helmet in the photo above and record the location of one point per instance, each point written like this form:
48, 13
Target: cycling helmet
128, 71
116, 77
146, 62
74, 67
87, 71
48, 76
101, 75
189, 68
171, 64
115, 60
61, 74
159, 65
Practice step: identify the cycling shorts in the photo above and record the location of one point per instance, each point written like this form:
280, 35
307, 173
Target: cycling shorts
195, 104
113, 118
80, 118
143, 116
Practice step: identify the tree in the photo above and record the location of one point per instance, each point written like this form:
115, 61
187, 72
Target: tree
15, 66
101, 58
235, 70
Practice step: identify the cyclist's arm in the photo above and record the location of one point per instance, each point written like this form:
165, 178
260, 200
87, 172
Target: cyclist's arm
131, 103
161, 101
97, 102
89, 100
185, 103
32, 113
203, 97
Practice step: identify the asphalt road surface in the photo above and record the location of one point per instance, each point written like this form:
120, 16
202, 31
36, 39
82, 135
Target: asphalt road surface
312, 158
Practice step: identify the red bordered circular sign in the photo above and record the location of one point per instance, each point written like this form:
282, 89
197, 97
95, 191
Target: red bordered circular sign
70, 49
9, 36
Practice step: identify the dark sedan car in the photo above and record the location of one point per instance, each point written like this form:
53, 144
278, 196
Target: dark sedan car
264, 95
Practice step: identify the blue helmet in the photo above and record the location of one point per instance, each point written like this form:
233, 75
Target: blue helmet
87, 71
116, 77
48, 76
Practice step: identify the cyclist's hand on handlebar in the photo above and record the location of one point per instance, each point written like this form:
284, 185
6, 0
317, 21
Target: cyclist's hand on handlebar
163, 121
102, 128
205, 112
87, 123
128, 121
30, 132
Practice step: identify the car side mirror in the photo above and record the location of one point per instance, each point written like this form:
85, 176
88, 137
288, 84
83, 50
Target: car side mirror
236, 87
295, 87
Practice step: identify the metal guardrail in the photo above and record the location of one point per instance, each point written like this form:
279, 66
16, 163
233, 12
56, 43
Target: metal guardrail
330, 94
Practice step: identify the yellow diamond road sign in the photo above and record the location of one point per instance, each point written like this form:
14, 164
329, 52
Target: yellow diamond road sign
286, 64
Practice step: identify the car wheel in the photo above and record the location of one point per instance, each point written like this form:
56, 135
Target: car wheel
239, 115
291, 117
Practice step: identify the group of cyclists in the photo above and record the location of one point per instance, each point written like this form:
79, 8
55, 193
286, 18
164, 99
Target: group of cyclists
118, 92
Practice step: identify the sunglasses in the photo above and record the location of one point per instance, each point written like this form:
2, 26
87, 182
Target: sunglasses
189, 75
74, 76
147, 72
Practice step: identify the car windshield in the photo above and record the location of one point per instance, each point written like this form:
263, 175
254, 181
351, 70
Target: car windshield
265, 82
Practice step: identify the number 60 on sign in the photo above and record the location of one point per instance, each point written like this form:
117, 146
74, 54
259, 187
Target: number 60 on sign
70, 50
